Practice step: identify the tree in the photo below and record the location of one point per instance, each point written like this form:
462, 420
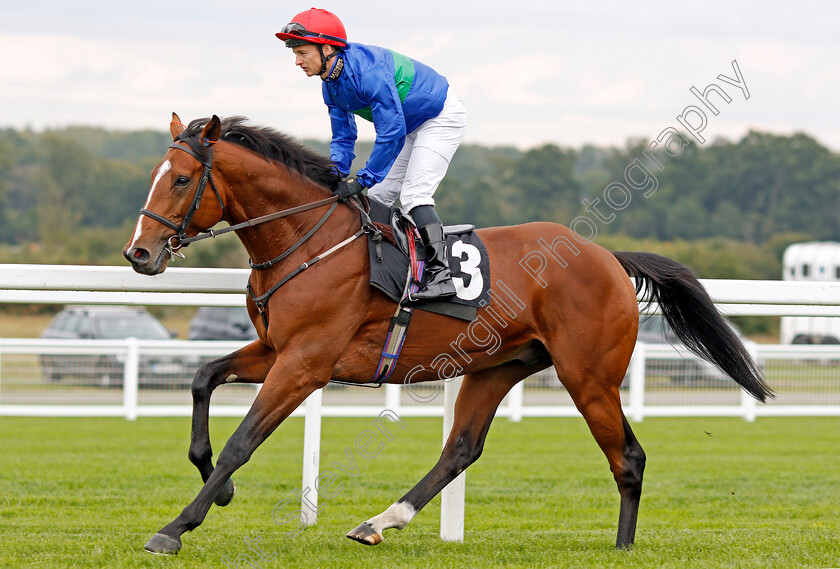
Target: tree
6, 163
542, 186
56, 222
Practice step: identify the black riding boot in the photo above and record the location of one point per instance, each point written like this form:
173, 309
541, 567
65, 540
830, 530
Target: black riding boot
438, 278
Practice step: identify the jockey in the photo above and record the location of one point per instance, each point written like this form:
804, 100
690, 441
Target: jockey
419, 123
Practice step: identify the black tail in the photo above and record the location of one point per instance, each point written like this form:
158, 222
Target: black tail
694, 317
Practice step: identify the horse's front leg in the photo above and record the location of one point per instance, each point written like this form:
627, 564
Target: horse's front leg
250, 364
475, 408
281, 394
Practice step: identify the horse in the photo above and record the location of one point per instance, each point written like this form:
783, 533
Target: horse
319, 320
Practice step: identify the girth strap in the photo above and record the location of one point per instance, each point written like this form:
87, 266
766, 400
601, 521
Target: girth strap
402, 317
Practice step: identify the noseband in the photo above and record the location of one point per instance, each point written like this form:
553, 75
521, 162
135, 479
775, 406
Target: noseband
181, 230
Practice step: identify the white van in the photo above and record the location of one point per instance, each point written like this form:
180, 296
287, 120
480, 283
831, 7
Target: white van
813, 261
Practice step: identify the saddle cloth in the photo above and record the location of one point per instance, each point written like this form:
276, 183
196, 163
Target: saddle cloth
468, 263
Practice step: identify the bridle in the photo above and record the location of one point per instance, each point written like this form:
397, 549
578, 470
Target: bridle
181, 230
260, 301
181, 237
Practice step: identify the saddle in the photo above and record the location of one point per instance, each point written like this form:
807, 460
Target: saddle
389, 261
397, 258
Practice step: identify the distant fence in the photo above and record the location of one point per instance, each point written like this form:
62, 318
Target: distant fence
806, 378
113, 378
106, 378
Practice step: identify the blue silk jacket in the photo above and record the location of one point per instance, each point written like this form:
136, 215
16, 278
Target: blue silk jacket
396, 93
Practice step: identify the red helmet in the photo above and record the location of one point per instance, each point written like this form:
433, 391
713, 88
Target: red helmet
314, 26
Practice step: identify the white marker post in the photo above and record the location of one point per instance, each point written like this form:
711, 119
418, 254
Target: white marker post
453, 496
311, 457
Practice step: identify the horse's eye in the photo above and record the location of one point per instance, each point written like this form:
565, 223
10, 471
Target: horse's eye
182, 181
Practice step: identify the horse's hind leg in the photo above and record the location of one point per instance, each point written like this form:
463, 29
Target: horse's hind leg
629, 486
247, 365
475, 408
601, 408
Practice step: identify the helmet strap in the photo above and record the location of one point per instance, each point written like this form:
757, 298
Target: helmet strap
325, 58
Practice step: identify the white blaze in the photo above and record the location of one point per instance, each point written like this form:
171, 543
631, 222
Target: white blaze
163, 169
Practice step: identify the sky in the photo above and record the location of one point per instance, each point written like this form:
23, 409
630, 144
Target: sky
530, 72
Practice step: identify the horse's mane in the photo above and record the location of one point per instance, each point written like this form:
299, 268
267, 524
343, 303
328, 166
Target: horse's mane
270, 144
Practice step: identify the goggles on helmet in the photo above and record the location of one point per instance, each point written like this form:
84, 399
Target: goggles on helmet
295, 29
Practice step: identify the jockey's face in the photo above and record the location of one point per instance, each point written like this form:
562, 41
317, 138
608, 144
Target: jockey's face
308, 58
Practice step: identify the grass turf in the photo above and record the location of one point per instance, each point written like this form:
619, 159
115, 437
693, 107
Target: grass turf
718, 493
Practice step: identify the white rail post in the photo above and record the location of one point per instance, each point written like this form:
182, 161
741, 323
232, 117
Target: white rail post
515, 398
131, 379
453, 496
392, 397
311, 458
748, 404
637, 383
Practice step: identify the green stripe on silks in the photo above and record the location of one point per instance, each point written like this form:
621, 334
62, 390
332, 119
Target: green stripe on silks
403, 77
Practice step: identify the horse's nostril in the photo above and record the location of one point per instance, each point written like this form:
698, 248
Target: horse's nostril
138, 255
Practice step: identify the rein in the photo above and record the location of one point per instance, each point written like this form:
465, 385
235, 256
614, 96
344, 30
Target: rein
262, 219
302, 240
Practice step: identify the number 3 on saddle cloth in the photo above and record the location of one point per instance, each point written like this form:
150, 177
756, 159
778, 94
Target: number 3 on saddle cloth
468, 264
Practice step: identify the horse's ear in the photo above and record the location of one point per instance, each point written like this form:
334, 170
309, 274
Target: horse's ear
211, 132
176, 127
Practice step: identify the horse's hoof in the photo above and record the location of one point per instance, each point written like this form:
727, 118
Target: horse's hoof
163, 545
225, 495
365, 534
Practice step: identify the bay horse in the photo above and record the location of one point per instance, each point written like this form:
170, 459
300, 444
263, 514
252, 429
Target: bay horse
581, 315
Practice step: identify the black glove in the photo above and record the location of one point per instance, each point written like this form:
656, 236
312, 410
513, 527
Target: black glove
348, 188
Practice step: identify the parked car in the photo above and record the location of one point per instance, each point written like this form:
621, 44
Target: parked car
221, 323
654, 329
111, 323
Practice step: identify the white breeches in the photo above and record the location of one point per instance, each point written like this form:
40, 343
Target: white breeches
424, 159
